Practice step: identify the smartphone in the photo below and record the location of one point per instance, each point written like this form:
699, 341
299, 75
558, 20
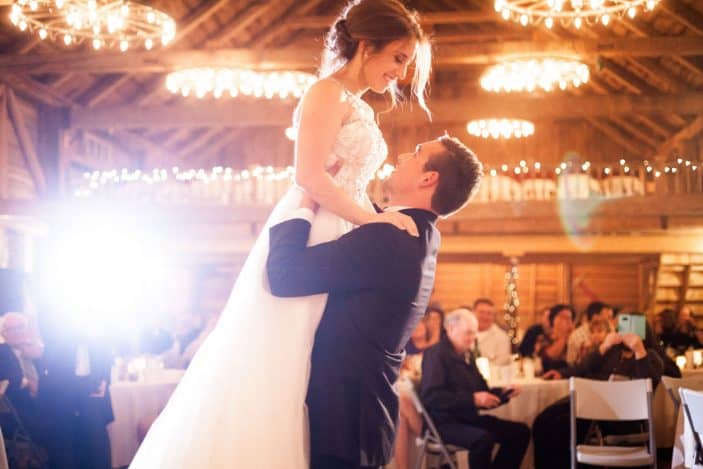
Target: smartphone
632, 323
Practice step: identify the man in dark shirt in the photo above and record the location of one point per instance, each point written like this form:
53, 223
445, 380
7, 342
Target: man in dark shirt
453, 391
623, 355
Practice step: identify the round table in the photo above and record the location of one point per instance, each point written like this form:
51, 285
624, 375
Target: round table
133, 401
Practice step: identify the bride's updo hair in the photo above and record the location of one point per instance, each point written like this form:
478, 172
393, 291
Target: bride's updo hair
379, 22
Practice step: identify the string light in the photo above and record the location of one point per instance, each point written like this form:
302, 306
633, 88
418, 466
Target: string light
569, 12
529, 74
500, 128
237, 81
115, 24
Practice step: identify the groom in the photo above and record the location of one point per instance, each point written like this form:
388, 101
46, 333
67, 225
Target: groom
379, 281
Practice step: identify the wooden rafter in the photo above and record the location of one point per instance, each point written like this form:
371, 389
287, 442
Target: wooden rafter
641, 29
684, 14
692, 129
4, 145
301, 58
428, 18
616, 136
203, 141
239, 23
265, 37
25, 141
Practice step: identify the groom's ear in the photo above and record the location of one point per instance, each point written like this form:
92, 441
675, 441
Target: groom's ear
429, 179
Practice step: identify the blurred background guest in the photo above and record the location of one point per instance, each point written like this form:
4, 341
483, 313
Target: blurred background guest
74, 397
619, 356
434, 320
19, 347
678, 331
551, 348
529, 340
493, 342
580, 337
453, 392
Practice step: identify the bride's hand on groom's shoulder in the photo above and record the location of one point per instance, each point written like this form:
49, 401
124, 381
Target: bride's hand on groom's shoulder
308, 202
399, 220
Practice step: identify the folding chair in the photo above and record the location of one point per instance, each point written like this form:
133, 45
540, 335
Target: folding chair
693, 408
614, 401
672, 386
430, 442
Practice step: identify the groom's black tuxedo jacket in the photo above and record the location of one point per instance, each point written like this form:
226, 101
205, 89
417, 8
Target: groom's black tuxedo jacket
379, 280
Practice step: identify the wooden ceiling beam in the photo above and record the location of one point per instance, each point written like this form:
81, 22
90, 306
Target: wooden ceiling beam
304, 58
239, 23
684, 14
642, 29
265, 37
241, 113
689, 131
427, 18
617, 137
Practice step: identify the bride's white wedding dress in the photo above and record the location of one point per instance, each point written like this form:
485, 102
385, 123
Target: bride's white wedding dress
241, 403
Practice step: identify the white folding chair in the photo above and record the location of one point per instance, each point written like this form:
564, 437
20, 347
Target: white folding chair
693, 408
431, 443
613, 401
672, 386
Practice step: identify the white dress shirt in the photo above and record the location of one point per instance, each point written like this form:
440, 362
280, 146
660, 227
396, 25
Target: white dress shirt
494, 344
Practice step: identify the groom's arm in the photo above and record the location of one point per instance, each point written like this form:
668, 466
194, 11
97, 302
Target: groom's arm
367, 257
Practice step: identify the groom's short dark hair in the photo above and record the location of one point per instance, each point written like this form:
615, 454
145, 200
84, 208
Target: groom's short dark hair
460, 173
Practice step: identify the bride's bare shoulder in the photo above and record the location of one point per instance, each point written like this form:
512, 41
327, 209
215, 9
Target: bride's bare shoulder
328, 93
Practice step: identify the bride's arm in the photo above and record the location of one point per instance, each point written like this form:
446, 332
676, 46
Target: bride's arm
323, 111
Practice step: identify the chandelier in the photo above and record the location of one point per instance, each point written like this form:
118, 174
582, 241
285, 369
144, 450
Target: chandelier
569, 12
106, 23
530, 74
238, 81
500, 128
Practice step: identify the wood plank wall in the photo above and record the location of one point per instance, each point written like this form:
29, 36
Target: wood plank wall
539, 285
20, 183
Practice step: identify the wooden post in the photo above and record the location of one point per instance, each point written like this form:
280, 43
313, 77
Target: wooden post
51, 122
25, 141
4, 145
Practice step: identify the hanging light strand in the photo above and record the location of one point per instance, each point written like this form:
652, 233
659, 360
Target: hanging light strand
570, 12
547, 74
500, 128
104, 23
237, 81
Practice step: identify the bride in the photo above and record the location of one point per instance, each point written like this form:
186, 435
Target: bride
241, 402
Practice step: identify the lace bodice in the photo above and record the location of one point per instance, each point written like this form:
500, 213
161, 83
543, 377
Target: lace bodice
360, 146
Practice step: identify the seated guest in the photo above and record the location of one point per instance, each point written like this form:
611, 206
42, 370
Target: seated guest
598, 329
678, 332
453, 392
618, 355
493, 342
687, 328
581, 335
18, 349
551, 348
527, 346
419, 340
434, 318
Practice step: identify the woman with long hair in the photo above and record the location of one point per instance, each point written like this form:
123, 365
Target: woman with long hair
241, 403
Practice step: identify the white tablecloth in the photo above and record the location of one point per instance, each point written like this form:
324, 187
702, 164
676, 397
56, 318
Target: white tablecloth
536, 396
131, 402
680, 435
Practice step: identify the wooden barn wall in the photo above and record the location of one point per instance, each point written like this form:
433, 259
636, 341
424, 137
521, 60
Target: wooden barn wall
20, 182
550, 144
539, 285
